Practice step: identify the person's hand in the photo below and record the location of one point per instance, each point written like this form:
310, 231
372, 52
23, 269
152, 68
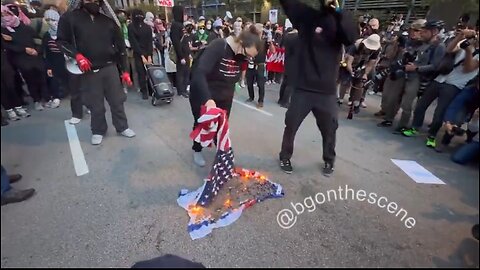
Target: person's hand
144, 60
7, 37
365, 77
469, 33
31, 51
149, 60
49, 73
448, 127
126, 79
410, 67
210, 104
83, 63
183, 61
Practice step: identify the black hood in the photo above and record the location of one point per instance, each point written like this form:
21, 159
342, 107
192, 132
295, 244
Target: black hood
178, 13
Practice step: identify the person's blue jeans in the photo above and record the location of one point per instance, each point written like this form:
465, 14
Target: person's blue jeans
456, 112
465, 154
5, 185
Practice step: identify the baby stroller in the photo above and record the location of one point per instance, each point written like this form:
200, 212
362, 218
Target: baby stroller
160, 86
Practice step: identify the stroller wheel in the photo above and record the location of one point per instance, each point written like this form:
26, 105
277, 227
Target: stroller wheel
168, 101
154, 101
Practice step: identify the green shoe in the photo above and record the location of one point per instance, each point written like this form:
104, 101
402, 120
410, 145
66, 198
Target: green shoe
431, 142
410, 132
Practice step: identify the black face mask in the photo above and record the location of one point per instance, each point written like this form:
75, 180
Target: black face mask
92, 8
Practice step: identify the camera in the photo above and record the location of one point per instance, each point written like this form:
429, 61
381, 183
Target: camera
397, 69
382, 74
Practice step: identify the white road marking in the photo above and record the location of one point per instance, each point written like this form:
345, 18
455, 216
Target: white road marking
253, 108
81, 167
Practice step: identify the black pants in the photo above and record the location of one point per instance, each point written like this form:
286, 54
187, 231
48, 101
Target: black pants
195, 106
36, 79
285, 91
183, 77
76, 100
445, 94
324, 109
101, 85
274, 76
10, 97
256, 74
141, 73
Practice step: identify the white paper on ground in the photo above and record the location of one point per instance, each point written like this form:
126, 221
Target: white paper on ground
418, 173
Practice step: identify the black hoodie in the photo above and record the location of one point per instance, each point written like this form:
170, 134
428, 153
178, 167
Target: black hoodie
140, 35
321, 35
176, 31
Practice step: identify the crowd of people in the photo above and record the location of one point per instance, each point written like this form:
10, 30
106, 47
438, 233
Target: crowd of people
413, 66
208, 58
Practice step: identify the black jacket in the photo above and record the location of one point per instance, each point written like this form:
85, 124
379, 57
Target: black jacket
176, 32
321, 36
98, 39
289, 42
141, 39
22, 38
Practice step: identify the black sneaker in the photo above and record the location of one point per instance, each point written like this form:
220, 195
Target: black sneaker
14, 196
385, 123
475, 231
286, 166
327, 169
356, 109
249, 100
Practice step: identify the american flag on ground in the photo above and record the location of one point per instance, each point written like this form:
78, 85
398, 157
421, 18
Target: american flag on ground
213, 125
213, 128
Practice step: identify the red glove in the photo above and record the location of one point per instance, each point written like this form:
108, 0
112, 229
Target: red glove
83, 63
126, 79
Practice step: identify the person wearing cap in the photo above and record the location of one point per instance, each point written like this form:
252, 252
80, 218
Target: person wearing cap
427, 52
445, 87
95, 41
364, 53
216, 31
321, 36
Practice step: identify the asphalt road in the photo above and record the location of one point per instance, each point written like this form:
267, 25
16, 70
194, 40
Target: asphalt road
124, 210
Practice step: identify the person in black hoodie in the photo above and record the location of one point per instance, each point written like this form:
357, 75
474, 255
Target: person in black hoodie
215, 75
141, 39
321, 35
182, 61
96, 43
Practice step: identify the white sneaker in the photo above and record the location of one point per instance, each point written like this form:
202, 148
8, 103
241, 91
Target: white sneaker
198, 159
128, 133
55, 103
363, 104
371, 92
97, 139
74, 120
22, 112
242, 84
349, 103
48, 104
12, 116
86, 110
38, 106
